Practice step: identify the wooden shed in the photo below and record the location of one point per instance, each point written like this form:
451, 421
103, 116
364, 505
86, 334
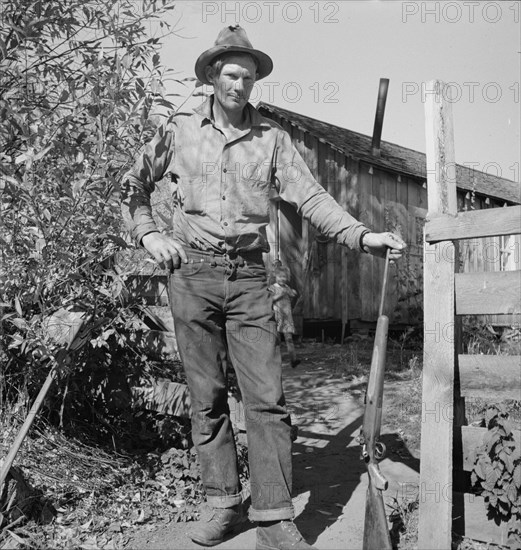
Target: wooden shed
387, 192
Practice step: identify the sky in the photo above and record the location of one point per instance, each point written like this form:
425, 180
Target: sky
329, 56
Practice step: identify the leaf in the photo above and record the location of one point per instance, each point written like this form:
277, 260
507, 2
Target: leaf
7, 315
86, 526
90, 544
491, 438
17, 341
507, 425
42, 153
490, 414
491, 475
126, 61
141, 518
488, 486
512, 493
17, 539
492, 500
9, 179
19, 323
118, 240
517, 476
18, 306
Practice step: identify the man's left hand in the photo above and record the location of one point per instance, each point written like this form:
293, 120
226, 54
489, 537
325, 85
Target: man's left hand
378, 243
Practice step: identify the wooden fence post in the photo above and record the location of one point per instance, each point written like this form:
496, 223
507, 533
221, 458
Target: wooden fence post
435, 491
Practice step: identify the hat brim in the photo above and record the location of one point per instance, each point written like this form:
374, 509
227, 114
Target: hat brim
265, 63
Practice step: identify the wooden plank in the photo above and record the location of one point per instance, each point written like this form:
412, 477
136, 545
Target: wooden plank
472, 438
350, 196
472, 521
415, 239
152, 288
435, 512
488, 292
334, 250
342, 194
377, 225
302, 308
366, 262
392, 222
495, 377
439, 147
312, 160
491, 222
320, 282
402, 198
167, 397
437, 396
309, 156
330, 300
164, 396
512, 253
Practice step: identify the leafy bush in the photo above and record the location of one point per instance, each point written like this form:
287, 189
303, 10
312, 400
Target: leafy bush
80, 88
497, 471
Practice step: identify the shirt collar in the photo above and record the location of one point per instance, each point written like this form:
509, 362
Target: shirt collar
254, 117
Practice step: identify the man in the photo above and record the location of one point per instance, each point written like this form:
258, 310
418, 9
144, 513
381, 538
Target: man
223, 159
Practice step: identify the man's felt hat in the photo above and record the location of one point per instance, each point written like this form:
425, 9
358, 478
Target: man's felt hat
230, 40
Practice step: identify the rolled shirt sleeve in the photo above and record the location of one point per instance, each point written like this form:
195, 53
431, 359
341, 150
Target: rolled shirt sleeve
139, 182
296, 185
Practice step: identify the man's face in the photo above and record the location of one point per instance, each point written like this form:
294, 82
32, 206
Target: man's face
233, 86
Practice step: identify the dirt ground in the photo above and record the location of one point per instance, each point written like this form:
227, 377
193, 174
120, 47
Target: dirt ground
325, 394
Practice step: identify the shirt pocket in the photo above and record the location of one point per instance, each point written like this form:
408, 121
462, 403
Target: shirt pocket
192, 194
255, 203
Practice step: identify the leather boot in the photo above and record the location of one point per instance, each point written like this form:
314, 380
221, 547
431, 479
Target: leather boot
222, 522
280, 535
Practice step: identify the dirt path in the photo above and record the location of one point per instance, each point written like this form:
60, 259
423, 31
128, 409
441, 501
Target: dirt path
329, 478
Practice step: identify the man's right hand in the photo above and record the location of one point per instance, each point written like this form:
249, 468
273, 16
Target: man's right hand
164, 250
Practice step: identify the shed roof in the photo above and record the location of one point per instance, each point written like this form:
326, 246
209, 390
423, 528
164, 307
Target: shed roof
395, 157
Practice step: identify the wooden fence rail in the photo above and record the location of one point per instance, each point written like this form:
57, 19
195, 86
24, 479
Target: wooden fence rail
450, 377
474, 224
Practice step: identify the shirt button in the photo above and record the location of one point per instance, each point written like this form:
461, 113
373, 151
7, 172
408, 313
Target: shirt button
224, 198
225, 223
225, 170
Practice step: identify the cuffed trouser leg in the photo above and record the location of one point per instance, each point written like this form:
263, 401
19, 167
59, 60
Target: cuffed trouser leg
196, 299
254, 349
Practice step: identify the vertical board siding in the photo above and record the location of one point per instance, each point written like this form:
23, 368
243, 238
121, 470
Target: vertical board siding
392, 215
489, 253
353, 256
378, 226
333, 249
402, 199
342, 284
310, 156
322, 280
366, 264
348, 197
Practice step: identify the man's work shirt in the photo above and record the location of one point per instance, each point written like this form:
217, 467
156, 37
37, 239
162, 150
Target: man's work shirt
221, 188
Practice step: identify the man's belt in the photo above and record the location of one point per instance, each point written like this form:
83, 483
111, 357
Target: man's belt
225, 259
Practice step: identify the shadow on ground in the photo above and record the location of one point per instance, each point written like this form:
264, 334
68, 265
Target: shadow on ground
330, 479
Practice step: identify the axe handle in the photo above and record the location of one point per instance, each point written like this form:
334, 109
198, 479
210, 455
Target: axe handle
9, 459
